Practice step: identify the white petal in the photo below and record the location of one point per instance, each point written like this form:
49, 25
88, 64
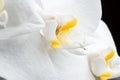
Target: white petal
18, 31
98, 63
104, 35
77, 38
39, 2
101, 39
20, 12
115, 72
70, 66
23, 17
50, 29
88, 12
98, 66
25, 58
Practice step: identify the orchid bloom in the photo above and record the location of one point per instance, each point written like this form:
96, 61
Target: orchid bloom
100, 65
55, 40
58, 30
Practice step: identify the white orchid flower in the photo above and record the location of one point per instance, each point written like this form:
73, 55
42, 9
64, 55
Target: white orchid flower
58, 29
42, 37
86, 18
100, 64
94, 34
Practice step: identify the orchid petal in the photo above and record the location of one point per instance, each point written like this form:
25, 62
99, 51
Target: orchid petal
25, 59
102, 41
23, 18
104, 37
17, 31
20, 12
100, 64
87, 12
50, 30
115, 72
70, 66
49, 33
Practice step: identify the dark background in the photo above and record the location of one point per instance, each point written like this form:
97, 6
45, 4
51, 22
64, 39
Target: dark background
111, 16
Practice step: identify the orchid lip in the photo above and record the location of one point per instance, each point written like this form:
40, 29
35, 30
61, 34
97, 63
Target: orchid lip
61, 33
101, 66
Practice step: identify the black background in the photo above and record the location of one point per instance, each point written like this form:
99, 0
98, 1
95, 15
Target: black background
111, 16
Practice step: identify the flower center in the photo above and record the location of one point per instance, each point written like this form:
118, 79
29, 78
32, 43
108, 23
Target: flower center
61, 33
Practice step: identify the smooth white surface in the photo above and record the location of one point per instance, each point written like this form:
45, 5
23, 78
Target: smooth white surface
98, 66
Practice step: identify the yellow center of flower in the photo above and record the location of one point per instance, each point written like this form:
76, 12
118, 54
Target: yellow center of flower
1, 5
106, 75
62, 31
